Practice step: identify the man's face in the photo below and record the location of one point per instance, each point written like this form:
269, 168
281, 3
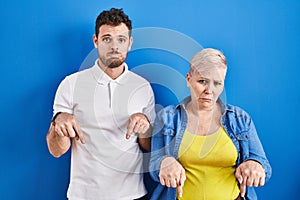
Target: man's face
113, 43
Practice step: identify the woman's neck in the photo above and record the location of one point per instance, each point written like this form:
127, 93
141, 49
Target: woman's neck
203, 121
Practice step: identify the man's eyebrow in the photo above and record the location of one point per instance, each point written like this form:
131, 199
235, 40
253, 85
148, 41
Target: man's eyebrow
106, 35
109, 35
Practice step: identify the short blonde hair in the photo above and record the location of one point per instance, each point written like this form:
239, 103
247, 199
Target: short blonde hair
206, 58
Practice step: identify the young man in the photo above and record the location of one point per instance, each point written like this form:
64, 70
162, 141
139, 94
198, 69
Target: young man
105, 112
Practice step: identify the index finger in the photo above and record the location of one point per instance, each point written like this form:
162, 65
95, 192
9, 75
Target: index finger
243, 187
128, 134
79, 133
180, 183
180, 190
130, 128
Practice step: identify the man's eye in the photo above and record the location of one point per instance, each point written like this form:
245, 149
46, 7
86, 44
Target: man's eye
122, 40
106, 40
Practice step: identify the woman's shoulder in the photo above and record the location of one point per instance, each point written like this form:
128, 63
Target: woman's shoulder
238, 115
168, 110
236, 110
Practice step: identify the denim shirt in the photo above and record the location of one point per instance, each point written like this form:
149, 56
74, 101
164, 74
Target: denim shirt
168, 130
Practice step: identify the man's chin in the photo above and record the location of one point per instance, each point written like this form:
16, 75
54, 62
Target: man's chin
115, 63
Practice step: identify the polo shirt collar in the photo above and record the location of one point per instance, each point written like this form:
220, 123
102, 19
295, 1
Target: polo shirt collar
103, 79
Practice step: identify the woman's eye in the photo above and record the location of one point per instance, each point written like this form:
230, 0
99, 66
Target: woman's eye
202, 81
218, 83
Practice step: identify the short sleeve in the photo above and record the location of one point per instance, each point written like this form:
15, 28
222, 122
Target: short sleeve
63, 101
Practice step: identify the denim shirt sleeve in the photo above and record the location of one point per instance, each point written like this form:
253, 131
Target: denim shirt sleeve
256, 151
162, 137
250, 147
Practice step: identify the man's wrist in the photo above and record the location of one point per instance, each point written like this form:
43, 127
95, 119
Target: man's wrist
55, 116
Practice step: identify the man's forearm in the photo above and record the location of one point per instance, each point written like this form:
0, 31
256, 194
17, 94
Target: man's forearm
144, 140
57, 145
145, 143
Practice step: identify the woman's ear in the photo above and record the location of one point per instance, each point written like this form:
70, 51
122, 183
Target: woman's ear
188, 78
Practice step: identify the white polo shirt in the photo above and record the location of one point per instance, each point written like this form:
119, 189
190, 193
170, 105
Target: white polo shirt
108, 166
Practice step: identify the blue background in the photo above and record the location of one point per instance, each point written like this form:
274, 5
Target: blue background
43, 41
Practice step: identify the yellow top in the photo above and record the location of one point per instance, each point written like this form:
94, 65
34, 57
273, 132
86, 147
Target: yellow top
209, 163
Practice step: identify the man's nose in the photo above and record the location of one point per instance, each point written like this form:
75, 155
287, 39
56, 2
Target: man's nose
114, 45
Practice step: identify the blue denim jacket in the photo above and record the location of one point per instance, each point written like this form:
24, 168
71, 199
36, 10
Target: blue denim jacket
168, 129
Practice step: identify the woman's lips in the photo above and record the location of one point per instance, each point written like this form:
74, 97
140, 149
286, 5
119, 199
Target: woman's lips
206, 99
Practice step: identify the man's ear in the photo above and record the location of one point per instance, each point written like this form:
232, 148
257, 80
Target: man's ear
130, 43
95, 41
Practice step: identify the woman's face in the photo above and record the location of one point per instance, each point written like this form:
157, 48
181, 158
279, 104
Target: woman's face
206, 86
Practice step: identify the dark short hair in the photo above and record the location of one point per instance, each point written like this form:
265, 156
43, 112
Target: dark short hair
112, 17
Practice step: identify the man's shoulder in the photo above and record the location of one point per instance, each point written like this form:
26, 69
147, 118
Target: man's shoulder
75, 75
132, 76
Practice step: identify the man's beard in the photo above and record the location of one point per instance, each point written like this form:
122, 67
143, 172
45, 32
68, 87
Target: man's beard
113, 62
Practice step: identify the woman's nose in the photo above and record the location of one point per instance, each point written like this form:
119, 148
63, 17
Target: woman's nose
209, 88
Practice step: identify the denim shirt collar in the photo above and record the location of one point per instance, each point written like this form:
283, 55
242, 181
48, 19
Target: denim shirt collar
224, 107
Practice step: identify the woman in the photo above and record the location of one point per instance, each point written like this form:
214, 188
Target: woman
203, 148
